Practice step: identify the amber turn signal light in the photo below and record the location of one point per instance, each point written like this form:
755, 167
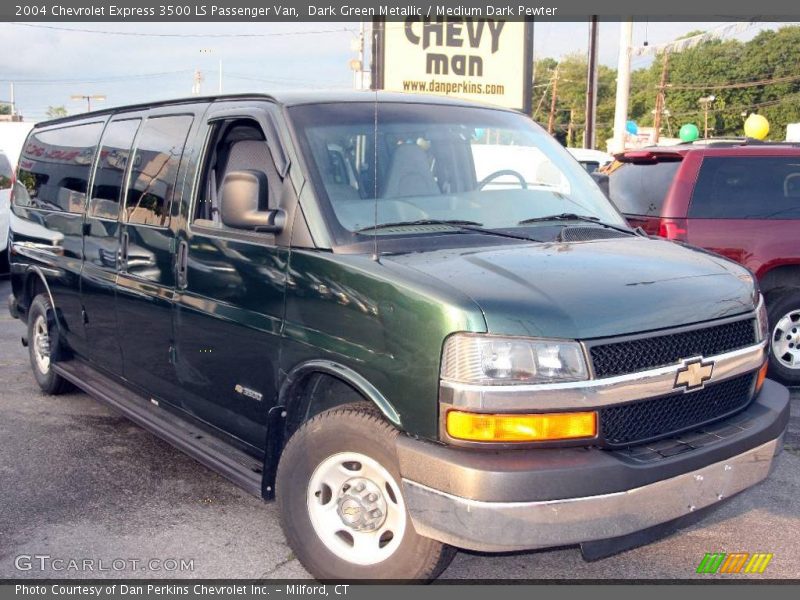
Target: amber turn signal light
762, 375
476, 427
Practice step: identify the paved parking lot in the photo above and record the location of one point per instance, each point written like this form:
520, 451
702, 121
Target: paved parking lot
80, 482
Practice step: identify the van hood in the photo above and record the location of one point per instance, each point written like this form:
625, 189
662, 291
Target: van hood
590, 289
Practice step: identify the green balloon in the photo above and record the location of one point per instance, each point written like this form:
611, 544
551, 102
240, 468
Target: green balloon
689, 132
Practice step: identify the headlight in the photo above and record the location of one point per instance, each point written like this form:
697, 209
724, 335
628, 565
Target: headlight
763, 319
494, 360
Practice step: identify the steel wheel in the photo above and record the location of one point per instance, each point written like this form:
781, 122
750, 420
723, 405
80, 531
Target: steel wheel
786, 340
356, 508
41, 344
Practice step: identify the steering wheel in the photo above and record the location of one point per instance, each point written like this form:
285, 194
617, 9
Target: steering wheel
492, 176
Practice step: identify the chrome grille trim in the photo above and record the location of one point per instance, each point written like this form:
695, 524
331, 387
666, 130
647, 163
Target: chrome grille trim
594, 393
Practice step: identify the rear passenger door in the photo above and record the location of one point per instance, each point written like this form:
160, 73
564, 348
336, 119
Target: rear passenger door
101, 242
146, 280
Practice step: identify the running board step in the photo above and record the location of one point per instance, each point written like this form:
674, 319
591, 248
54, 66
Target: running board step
233, 464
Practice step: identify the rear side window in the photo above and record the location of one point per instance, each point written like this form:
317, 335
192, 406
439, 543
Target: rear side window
640, 189
111, 167
5, 172
752, 187
54, 167
154, 171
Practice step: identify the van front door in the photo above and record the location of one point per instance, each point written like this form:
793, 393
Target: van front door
229, 305
146, 281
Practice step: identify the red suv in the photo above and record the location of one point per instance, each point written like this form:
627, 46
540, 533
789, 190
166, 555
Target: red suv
738, 199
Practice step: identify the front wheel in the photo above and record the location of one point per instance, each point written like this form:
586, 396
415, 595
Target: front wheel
341, 502
784, 320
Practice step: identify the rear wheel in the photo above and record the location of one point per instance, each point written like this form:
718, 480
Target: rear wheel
341, 502
40, 347
784, 320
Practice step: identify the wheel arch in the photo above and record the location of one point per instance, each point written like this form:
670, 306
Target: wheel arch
782, 276
302, 395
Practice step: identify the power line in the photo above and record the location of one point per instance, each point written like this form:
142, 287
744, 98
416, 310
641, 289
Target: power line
742, 84
187, 35
49, 81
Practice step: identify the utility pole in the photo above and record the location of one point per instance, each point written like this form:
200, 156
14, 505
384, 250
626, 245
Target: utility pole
88, 98
551, 121
623, 85
706, 102
660, 99
591, 87
197, 82
570, 127
13, 103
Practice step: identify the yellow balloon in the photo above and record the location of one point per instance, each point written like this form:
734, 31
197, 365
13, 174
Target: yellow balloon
756, 126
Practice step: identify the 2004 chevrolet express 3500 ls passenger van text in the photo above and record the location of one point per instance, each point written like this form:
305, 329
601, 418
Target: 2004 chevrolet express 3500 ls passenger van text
415, 322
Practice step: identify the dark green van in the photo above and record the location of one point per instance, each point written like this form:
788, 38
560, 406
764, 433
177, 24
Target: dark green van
415, 322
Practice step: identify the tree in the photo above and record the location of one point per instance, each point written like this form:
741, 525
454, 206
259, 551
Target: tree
5, 109
760, 75
53, 112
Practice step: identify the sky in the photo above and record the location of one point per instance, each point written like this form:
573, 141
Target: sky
139, 62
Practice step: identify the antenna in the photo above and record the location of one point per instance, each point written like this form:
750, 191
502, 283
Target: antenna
375, 254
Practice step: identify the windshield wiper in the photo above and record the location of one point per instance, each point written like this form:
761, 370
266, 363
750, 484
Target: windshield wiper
454, 222
458, 224
576, 217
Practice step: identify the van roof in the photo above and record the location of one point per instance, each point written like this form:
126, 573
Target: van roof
284, 98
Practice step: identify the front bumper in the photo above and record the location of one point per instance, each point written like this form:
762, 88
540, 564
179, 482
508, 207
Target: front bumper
525, 499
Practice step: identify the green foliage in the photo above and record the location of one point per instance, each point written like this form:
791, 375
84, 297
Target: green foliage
54, 112
693, 73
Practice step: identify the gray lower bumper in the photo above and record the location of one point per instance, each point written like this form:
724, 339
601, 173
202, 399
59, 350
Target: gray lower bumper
508, 526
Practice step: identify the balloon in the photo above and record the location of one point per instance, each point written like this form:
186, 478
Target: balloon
756, 126
689, 132
631, 127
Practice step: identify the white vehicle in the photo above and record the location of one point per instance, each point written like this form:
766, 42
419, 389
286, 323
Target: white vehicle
591, 160
6, 174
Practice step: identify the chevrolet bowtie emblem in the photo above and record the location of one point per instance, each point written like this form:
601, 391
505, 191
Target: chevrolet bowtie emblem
693, 374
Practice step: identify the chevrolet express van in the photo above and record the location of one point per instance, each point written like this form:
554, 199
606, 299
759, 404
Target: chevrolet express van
415, 322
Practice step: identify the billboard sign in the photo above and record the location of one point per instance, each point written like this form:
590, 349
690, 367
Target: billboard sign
487, 60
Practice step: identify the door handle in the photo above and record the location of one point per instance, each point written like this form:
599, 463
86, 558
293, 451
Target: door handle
123, 252
182, 265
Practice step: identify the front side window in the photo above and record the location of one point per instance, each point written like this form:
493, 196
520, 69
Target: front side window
111, 168
421, 162
154, 171
752, 187
54, 167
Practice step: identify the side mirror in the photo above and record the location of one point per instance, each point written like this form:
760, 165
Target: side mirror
243, 201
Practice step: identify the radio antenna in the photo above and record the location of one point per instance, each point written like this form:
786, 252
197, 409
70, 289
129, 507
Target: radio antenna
375, 255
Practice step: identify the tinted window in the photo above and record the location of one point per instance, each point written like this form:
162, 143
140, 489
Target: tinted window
753, 187
54, 167
111, 166
638, 189
5, 172
155, 169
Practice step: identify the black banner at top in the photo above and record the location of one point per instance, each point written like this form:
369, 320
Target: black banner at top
390, 10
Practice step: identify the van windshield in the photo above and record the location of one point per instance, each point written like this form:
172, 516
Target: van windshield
403, 165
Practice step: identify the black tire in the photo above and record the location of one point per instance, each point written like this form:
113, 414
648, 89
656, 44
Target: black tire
780, 304
356, 428
4, 265
48, 380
